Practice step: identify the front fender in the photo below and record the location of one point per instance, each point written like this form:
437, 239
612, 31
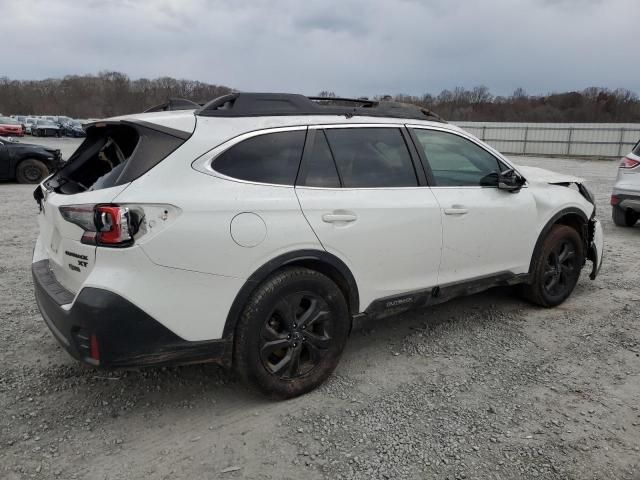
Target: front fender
595, 251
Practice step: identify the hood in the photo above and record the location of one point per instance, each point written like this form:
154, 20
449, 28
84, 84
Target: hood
30, 146
535, 174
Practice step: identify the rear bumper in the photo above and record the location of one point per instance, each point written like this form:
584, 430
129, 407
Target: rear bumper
102, 328
627, 199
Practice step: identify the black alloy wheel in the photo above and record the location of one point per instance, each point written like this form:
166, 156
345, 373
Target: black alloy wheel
560, 269
555, 267
291, 333
296, 336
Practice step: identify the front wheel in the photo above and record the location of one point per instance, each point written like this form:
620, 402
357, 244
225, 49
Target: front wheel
624, 217
31, 171
291, 333
556, 268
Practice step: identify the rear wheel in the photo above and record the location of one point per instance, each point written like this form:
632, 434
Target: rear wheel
31, 171
624, 217
291, 333
557, 267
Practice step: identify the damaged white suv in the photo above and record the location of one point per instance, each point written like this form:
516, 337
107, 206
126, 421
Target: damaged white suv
254, 229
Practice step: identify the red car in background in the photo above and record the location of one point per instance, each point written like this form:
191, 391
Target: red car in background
10, 127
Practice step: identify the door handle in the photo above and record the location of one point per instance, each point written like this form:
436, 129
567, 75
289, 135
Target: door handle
456, 210
339, 217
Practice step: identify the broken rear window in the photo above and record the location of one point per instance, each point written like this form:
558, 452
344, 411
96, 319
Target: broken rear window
113, 154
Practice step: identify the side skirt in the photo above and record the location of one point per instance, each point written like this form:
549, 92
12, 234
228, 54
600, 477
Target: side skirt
420, 299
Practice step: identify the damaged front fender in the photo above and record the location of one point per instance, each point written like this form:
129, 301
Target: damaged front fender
592, 233
596, 246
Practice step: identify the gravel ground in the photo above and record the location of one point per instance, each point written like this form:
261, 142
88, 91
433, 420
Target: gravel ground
481, 387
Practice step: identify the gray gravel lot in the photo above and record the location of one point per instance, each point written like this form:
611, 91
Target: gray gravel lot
481, 387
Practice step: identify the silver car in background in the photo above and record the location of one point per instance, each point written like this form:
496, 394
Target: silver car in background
625, 198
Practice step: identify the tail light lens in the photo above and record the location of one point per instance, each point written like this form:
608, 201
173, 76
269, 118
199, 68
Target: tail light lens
615, 200
627, 162
103, 225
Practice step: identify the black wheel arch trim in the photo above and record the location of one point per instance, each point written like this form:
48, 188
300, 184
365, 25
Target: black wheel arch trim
309, 258
553, 221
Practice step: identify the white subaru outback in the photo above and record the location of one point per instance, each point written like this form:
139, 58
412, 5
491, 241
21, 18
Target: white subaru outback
253, 230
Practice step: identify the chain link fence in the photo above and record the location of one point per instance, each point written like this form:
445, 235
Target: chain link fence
569, 140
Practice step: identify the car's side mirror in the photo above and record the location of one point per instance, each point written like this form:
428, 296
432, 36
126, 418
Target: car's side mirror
510, 180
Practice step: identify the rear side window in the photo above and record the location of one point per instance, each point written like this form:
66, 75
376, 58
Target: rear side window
318, 168
456, 161
270, 158
371, 157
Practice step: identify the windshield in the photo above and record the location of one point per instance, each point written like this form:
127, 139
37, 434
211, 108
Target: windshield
8, 121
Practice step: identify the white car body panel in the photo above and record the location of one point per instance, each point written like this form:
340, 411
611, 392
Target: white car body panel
628, 180
485, 231
182, 300
391, 238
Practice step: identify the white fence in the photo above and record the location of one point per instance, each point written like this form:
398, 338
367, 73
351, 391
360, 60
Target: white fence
565, 139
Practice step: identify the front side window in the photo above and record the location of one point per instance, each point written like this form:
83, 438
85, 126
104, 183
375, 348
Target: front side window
269, 158
371, 157
456, 161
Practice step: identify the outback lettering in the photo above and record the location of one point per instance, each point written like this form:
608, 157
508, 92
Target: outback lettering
400, 301
76, 255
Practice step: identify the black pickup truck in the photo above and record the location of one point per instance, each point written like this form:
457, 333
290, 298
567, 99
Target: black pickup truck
27, 163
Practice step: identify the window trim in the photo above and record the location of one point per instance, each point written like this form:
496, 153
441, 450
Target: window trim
427, 166
204, 163
421, 181
309, 144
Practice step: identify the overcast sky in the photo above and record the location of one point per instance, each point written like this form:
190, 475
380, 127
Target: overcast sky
352, 47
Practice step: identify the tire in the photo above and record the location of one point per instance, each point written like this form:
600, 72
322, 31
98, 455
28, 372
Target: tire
624, 217
291, 333
556, 269
34, 133
31, 171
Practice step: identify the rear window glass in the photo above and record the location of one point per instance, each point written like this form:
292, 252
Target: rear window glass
269, 158
371, 157
114, 154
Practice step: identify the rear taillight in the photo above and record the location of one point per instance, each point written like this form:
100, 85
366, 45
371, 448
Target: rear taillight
627, 162
615, 200
103, 225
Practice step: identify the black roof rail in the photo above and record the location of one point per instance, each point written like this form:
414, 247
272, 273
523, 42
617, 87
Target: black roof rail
243, 104
174, 104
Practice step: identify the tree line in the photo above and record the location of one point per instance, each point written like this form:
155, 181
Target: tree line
113, 93
593, 104
97, 96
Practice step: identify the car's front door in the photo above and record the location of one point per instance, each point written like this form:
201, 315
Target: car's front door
486, 230
359, 190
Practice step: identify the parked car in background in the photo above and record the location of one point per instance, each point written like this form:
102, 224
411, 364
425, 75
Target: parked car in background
625, 198
73, 128
45, 128
281, 220
25, 162
28, 124
10, 127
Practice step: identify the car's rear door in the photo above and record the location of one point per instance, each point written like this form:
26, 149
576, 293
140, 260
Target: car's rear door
361, 192
486, 231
